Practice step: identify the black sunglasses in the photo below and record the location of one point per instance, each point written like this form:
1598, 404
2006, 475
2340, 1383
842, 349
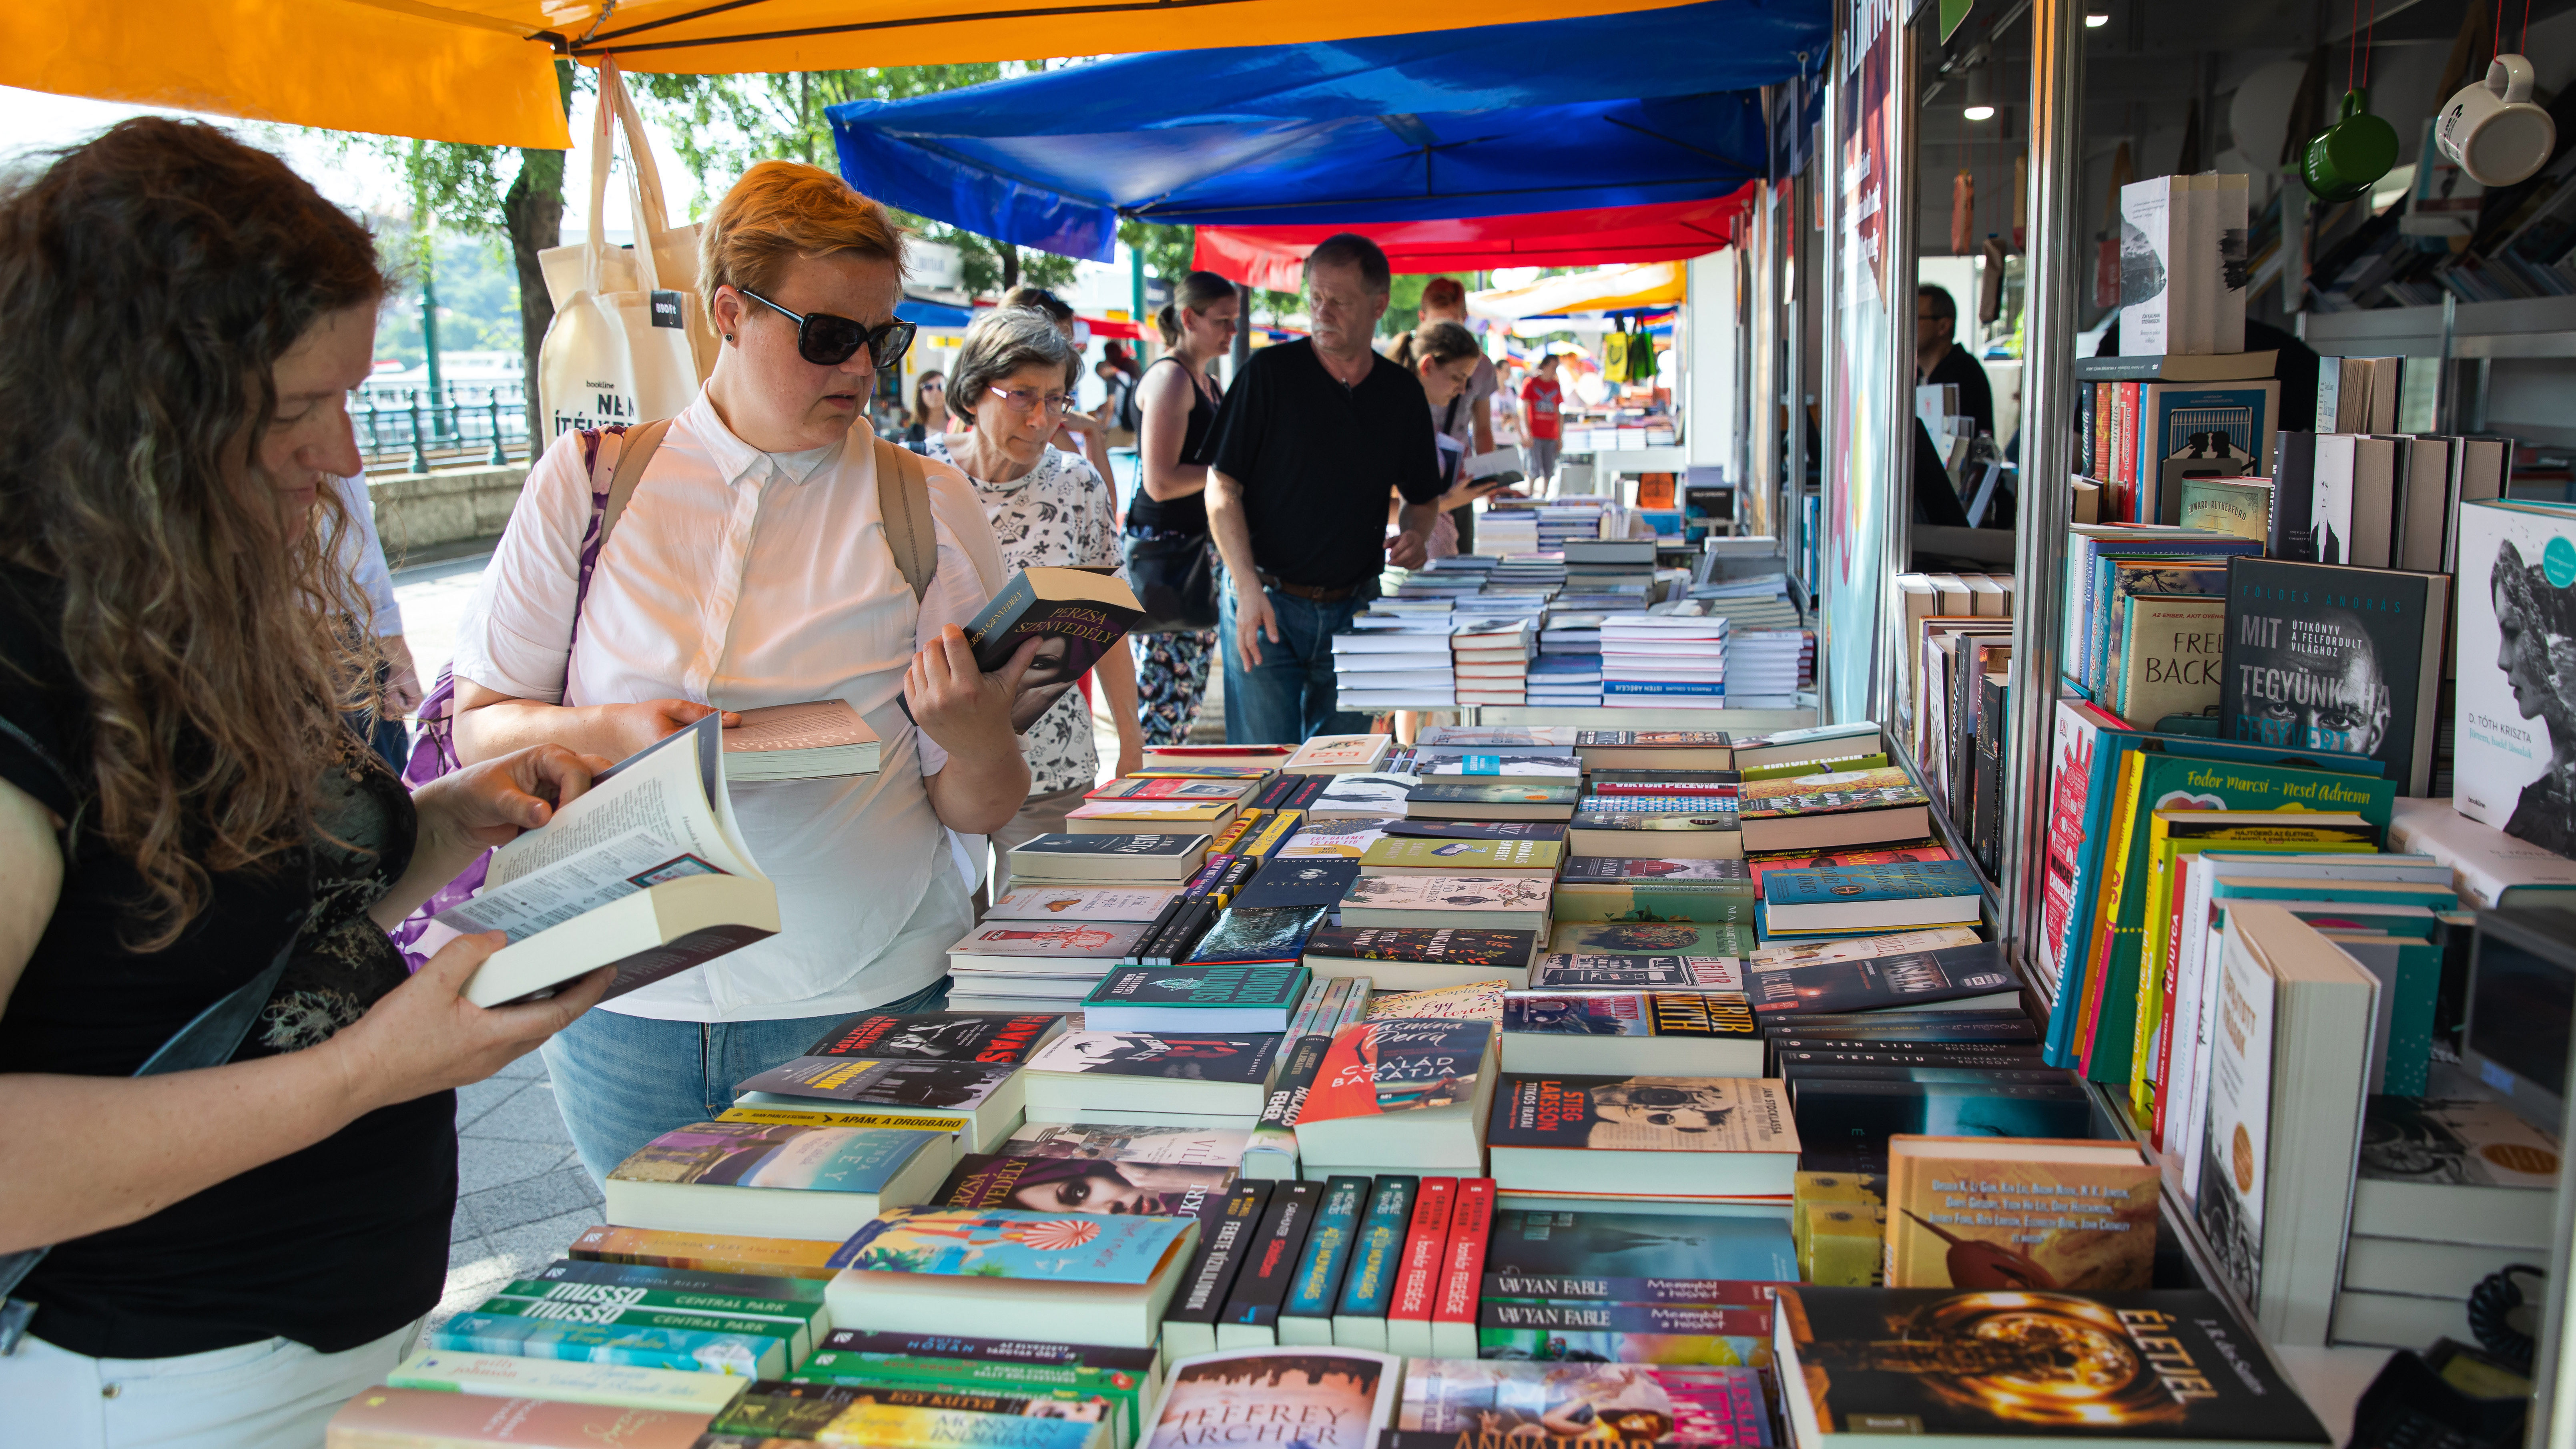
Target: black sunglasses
829, 341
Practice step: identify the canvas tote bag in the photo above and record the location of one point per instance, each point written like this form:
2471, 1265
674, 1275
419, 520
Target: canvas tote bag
630, 339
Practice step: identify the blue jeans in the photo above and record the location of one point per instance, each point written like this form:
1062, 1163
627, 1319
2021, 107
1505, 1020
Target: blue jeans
1288, 696
624, 1080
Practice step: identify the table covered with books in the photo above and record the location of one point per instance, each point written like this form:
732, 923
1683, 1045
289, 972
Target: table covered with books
1643, 1087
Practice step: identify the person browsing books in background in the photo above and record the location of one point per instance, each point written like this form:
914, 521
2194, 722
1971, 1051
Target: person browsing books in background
1444, 360
1471, 423
1938, 357
1076, 432
753, 567
1167, 526
1015, 378
185, 820
1314, 435
929, 408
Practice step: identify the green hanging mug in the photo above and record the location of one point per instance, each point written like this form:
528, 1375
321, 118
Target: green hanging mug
2347, 158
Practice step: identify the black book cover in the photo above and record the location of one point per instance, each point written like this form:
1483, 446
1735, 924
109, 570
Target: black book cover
1954, 973
1079, 614
2030, 1076
2337, 660
1219, 1258
1477, 829
2294, 493
1927, 1054
963, 1349
1706, 874
1297, 1069
994, 1038
1300, 881
1453, 791
1259, 934
1147, 944
1986, 801
1839, 1112
1188, 930
1788, 1023
1907, 1036
1992, 1367
1435, 946
1275, 790
1270, 1261
1310, 788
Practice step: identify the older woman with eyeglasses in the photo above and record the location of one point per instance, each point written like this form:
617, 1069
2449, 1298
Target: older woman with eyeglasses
756, 564
1049, 508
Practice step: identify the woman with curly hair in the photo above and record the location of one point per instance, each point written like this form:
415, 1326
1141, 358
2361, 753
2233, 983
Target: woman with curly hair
187, 827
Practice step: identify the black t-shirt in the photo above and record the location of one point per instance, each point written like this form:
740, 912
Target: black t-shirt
1976, 395
1316, 459
1187, 513
332, 1246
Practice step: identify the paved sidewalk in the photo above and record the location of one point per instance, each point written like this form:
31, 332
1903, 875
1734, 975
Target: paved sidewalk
522, 1196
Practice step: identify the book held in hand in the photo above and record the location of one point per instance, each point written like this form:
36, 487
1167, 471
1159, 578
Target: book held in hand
810, 741
646, 872
1079, 614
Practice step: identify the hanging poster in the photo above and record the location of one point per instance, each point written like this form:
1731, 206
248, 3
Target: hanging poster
1859, 453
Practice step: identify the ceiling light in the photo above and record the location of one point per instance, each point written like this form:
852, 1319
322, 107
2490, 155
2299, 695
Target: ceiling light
2096, 22
1981, 94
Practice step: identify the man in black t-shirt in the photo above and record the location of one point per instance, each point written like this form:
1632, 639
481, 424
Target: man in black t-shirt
1315, 437
1938, 357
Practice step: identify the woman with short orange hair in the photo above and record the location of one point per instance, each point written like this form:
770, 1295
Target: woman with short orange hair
757, 564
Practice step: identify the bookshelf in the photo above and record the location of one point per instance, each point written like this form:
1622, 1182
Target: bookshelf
2520, 350
1956, 842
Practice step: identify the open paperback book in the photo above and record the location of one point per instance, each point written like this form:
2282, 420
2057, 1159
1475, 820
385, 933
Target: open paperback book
646, 872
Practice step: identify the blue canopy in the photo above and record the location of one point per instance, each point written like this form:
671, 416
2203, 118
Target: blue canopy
921, 312
1557, 115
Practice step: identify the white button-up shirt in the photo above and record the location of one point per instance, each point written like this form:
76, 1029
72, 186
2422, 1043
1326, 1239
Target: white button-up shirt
740, 579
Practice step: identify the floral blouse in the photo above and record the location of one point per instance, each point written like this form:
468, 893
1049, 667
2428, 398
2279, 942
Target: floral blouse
1059, 514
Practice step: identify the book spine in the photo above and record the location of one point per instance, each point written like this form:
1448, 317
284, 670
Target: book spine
1453, 1312
1271, 1263
2084, 428
1318, 1282
1238, 874
1219, 1257
1162, 922
1272, 1149
1310, 788
1417, 1283
1377, 1255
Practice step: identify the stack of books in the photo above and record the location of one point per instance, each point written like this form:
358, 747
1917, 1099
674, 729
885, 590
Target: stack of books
1663, 661
1492, 658
1395, 661
1503, 532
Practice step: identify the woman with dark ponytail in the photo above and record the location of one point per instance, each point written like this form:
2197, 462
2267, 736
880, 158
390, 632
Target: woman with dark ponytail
1444, 356
1169, 559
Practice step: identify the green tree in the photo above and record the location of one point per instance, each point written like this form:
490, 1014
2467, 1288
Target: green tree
461, 188
721, 124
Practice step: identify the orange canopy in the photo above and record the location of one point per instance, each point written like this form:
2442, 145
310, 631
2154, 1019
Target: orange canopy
481, 71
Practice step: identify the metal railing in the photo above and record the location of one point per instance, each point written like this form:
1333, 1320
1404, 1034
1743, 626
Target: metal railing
457, 423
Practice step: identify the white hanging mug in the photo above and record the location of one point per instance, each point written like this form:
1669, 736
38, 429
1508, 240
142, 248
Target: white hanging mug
2492, 128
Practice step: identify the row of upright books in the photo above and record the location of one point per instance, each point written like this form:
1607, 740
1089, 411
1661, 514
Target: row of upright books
2292, 765
1440, 1125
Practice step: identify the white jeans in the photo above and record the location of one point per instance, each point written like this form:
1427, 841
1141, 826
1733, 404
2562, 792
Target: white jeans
276, 1394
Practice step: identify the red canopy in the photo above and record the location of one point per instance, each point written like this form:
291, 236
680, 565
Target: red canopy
1274, 256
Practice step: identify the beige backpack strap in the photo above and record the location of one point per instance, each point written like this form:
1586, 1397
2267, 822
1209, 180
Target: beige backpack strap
635, 449
906, 505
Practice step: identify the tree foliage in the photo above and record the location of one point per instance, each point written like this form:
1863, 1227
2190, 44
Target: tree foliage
721, 124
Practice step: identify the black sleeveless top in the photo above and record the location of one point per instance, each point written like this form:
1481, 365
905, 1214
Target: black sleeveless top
1186, 514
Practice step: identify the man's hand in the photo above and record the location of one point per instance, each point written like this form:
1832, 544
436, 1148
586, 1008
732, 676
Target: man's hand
1253, 618
961, 707
1408, 550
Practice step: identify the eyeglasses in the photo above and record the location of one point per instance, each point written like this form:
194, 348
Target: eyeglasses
829, 341
1022, 400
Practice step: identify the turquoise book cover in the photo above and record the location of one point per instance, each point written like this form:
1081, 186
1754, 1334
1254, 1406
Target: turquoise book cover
1912, 880
1004, 1243
1312, 1293
2431, 897
1194, 985
741, 1354
1378, 1250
